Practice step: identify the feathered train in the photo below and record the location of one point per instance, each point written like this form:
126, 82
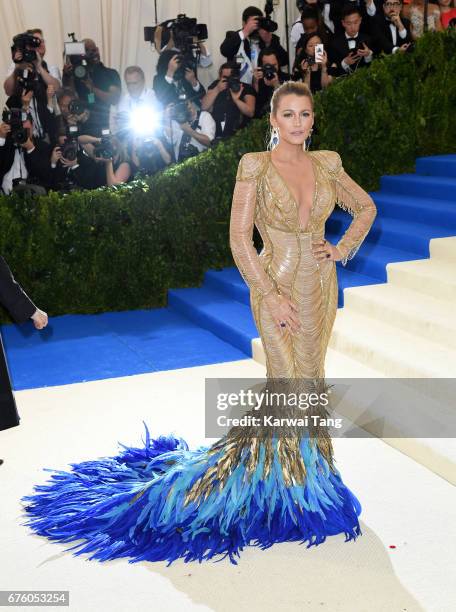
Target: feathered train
163, 502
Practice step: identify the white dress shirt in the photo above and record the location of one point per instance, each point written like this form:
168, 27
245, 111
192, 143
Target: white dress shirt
206, 126
128, 104
18, 168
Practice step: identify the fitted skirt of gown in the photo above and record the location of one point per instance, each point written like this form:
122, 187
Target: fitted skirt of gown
162, 501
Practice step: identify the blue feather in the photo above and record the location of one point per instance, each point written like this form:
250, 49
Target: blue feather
133, 504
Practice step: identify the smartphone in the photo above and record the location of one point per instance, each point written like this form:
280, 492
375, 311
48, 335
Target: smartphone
319, 52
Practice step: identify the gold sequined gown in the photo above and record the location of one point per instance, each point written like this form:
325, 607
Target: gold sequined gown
253, 486
286, 263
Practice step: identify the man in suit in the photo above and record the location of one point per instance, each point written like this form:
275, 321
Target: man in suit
29, 159
352, 49
391, 31
332, 13
248, 42
21, 308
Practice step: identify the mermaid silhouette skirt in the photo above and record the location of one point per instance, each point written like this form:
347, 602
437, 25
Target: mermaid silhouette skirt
162, 501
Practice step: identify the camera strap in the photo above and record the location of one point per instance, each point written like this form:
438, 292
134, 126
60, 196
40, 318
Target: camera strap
185, 140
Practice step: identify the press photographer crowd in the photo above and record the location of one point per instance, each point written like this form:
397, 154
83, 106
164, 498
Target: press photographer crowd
81, 128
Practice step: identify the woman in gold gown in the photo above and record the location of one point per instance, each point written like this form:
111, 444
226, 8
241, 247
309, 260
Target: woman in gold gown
256, 485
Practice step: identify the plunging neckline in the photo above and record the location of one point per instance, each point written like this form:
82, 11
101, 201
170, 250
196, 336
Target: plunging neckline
297, 206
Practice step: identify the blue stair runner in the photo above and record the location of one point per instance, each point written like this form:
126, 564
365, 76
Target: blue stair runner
213, 323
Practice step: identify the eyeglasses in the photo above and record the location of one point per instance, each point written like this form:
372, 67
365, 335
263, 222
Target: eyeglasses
391, 4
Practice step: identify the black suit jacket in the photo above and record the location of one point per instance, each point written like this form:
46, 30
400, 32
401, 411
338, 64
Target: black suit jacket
13, 297
232, 42
339, 49
37, 162
88, 175
383, 36
335, 14
167, 93
21, 308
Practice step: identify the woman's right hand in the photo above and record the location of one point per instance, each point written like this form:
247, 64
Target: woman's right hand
283, 310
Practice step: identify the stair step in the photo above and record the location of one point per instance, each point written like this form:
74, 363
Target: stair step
422, 210
229, 282
226, 318
437, 165
407, 309
371, 259
393, 351
423, 186
337, 365
408, 235
429, 276
443, 249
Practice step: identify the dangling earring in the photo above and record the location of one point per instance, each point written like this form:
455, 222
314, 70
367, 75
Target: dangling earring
275, 138
307, 141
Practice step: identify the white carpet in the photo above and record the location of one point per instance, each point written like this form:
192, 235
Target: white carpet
404, 504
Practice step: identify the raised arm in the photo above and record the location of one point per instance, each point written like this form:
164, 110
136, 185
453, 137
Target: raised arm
241, 227
351, 197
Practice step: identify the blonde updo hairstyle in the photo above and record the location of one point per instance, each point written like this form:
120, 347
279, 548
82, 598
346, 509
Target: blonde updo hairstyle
289, 87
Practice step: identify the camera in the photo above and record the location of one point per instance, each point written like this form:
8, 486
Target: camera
27, 80
76, 107
269, 71
180, 111
185, 61
183, 29
14, 117
71, 145
104, 149
266, 23
186, 34
234, 80
27, 187
20, 43
76, 53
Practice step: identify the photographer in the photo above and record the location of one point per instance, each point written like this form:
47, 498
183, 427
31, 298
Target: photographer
190, 131
99, 88
118, 165
353, 49
312, 19
49, 75
266, 79
73, 164
175, 77
307, 70
151, 153
22, 160
29, 72
74, 112
137, 95
245, 44
230, 102
174, 34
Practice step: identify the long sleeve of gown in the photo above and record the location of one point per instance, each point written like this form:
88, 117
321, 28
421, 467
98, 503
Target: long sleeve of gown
241, 226
354, 199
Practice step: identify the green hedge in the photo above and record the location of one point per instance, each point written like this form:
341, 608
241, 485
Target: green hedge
122, 248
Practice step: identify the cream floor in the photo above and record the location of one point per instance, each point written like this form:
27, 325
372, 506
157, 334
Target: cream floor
404, 504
